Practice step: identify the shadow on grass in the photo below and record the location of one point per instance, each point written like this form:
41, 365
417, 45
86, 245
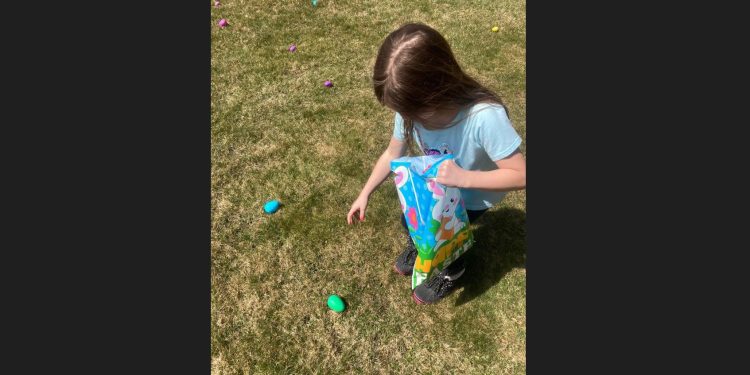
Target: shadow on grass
500, 247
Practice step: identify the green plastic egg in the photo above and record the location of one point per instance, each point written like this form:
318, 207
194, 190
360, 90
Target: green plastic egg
336, 304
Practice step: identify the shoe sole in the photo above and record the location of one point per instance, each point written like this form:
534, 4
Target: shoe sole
417, 300
395, 269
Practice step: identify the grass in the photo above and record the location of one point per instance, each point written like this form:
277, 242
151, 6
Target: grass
277, 133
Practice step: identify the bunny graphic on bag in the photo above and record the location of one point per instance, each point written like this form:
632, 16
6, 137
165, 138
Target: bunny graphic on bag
435, 214
445, 213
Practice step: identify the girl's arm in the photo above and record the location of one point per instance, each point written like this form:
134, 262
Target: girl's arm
382, 168
380, 172
511, 175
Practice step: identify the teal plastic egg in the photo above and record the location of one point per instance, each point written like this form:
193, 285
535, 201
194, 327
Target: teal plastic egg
336, 304
271, 206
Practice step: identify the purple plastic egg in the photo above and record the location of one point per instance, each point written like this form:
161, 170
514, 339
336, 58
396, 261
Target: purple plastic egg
328, 83
223, 23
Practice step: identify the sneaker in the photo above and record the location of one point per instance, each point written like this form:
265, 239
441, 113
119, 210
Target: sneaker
440, 285
405, 262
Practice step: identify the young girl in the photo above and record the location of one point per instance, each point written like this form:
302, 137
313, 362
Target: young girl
443, 111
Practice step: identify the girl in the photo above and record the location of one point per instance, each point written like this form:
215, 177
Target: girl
442, 110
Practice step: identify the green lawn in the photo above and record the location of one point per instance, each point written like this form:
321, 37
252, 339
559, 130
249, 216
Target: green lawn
277, 133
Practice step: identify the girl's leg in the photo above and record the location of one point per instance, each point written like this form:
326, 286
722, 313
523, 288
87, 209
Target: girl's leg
442, 284
405, 261
456, 269
475, 214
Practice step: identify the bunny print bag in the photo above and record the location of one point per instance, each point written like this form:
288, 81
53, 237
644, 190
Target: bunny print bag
435, 214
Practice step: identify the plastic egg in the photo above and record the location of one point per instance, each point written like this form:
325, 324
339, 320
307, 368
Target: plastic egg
336, 304
271, 206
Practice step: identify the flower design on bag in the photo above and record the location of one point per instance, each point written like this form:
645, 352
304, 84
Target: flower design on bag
412, 216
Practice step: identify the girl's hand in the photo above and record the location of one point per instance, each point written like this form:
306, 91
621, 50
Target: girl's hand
359, 205
450, 174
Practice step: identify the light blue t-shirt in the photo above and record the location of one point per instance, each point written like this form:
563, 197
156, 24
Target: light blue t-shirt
482, 135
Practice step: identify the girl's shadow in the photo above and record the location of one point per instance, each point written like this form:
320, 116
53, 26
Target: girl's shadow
500, 247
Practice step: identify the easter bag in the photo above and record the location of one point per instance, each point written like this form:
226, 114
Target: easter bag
435, 214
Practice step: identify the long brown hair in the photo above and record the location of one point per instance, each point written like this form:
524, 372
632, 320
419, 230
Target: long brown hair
416, 73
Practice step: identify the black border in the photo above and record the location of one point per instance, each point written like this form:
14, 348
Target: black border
108, 106
628, 188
